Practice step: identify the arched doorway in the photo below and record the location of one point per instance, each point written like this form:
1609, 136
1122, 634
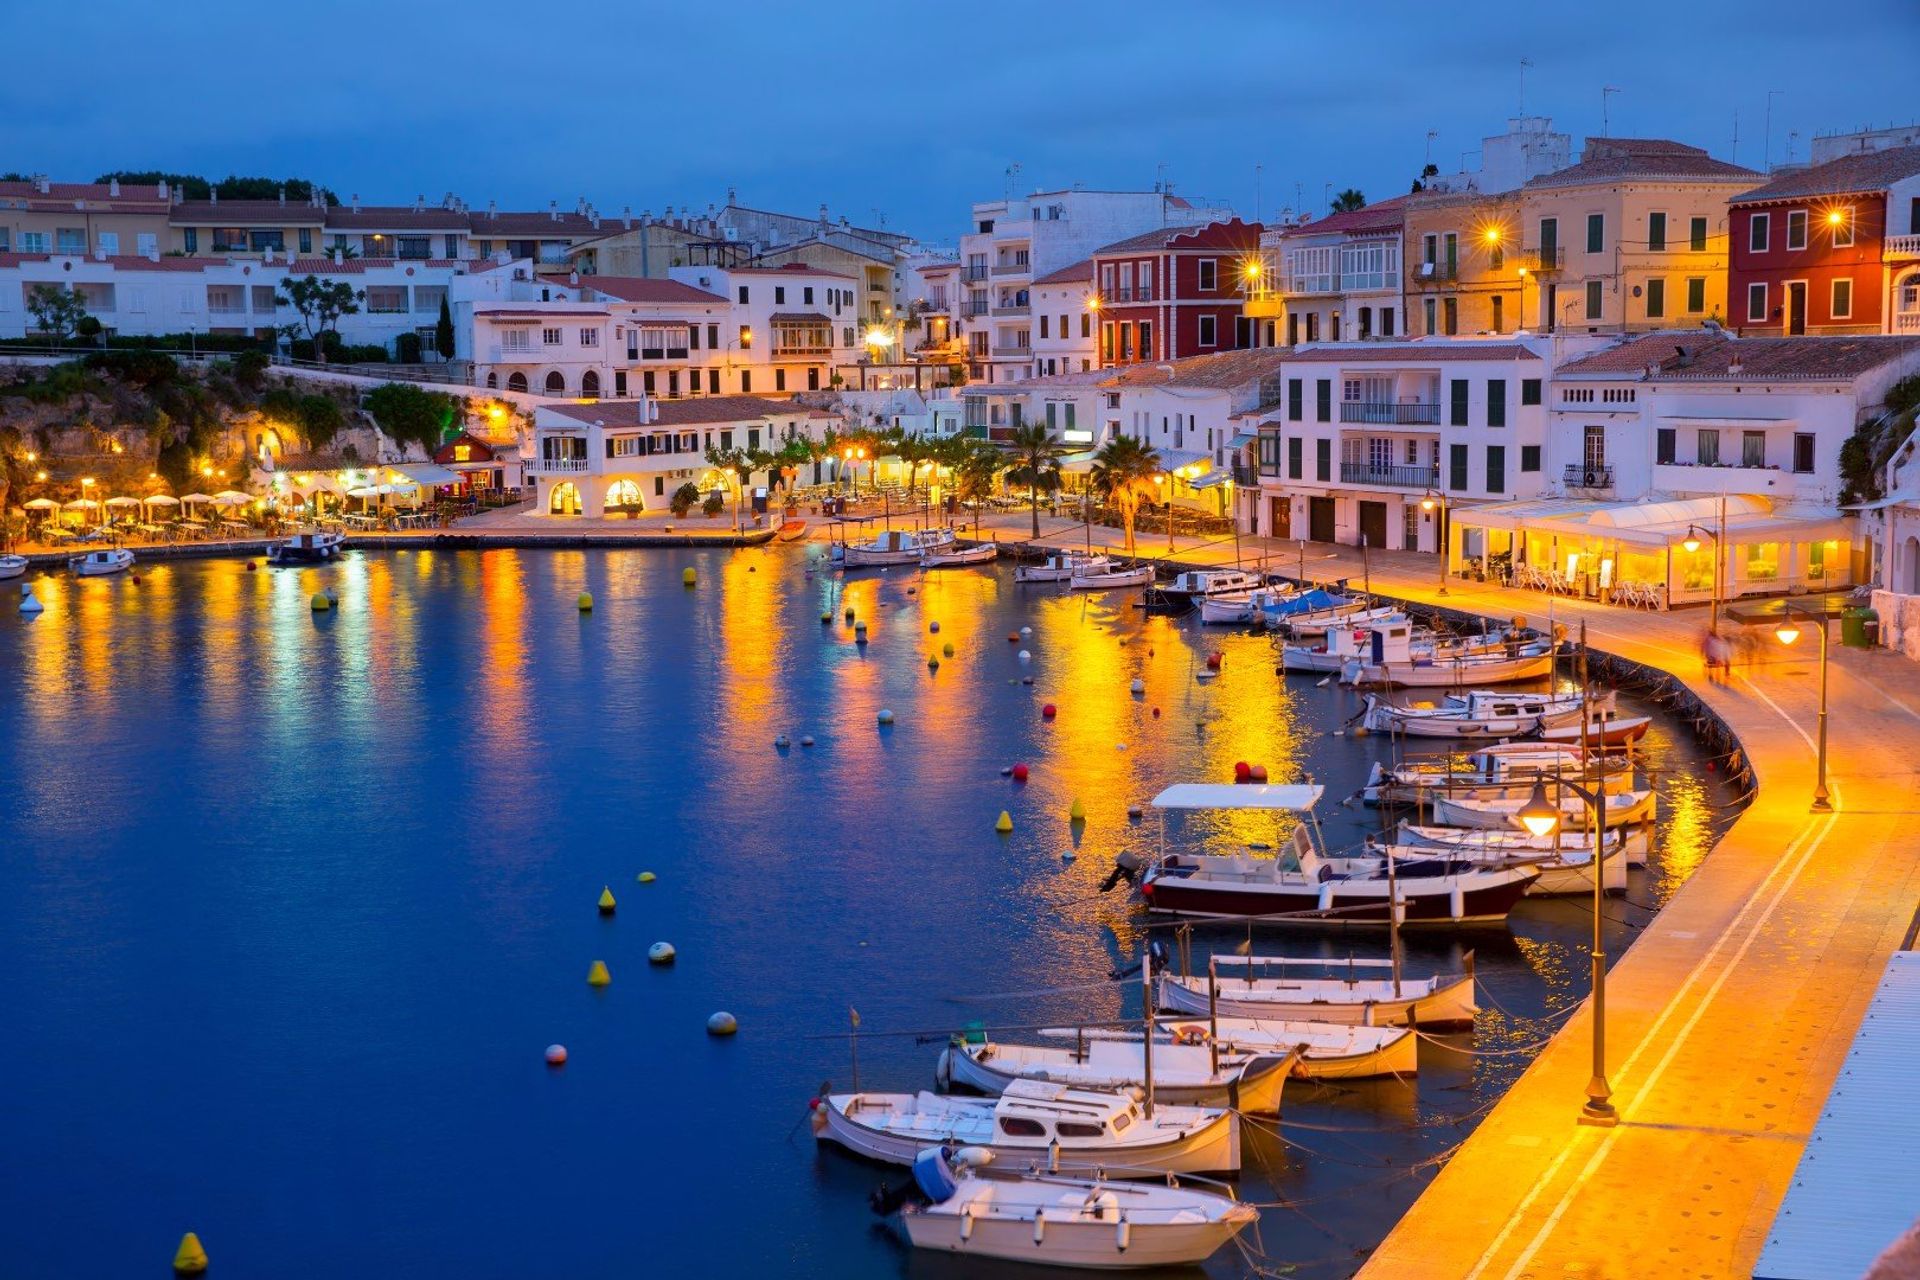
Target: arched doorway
493, 380
556, 383
564, 500
1911, 553
516, 382
590, 385
623, 498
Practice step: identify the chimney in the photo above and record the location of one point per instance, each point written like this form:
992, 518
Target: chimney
42, 184
732, 199
573, 277
165, 194
100, 254
553, 210
283, 197
356, 202
339, 255
626, 216
823, 215
1735, 368
491, 210
213, 195
580, 206
420, 203
113, 187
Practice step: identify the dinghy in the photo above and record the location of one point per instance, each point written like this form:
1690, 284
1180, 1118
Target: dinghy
1059, 1221
1328, 1050
1197, 1075
1061, 566
12, 566
1074, 1130
1265, 988
1139, 575
95, 563
949, 557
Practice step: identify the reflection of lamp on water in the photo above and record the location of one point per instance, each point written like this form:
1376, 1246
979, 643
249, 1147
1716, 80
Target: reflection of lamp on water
1786, 633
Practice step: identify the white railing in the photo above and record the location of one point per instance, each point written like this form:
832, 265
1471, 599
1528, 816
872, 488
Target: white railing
1907, 322
549, 466
1901, 247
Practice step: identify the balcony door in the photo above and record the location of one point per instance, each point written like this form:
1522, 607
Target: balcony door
1796, 306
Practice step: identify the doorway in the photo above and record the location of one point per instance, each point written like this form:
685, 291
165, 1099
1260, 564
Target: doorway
1282, 518
1796, 306
1320, 519
1373, 523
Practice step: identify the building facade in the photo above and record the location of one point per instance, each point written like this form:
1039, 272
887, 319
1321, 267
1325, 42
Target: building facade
86, 219
1167, 294
1065, 310
1336, 278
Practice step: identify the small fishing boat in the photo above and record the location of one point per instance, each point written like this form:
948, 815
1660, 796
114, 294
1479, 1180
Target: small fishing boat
1062, 565
1307, 626
1477, 713
1498, 813
1075, 1130
1298, 886
1328, 1050
95, 563
12, 566
1563, 873
1060, 1221
896, 547
1192, 585
1529, 661
307, 548
1230, 609
1265, 988
953, 557
1634, 841
1603, 730
1275, 610
1198, 1075
1494, 770
1110, 579
1390, 634
792, 530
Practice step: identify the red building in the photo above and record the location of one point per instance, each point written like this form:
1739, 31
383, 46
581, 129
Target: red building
1176, 292
1834, 248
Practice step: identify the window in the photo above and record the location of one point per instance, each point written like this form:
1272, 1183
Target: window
1656, 299
427, 298
1450, 308
1697, 235
1753, 448
713, 338
746, 337
1208, 330
1841, 220
415, 246
1803, 452
1386, 322
261, 241
1842, 299
1022, 1127
779, 294
1086, 325
189, 239
1696, 294
1663, 441
1529, 457
1496, 468
1757, 232
1209, 274
1432, 323
746, 382
1457, 393
1146, 339
589, 337
1078, 1129
1756, 302
743, 295
386, 298
1499, 314
779, 379
1496, 402
1706, 448
1293, 457
1796, 228
1457, 467
1323, 400
1294, 410
1594, 301
1656, 233
515, 340
110, 243
1596, 233
1323, 460
550, 337
1529, 391
1043, 324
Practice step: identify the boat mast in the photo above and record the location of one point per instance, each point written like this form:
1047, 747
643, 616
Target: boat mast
1213, 1015
1146, 1037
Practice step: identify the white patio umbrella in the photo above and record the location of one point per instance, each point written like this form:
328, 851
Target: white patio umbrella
123, 501
81, 504
229, 499
41, 504
162, 500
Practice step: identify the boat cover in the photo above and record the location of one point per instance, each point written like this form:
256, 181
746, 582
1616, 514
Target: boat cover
935, 1176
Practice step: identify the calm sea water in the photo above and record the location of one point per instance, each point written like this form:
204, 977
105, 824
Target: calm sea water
290, 906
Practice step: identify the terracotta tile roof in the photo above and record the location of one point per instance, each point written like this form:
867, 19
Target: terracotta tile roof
1074, 274
789, 269
699, 411
1709, 355
96, 196
245, 213
384, 218
1869, 171
1646, 159
573, 311
1380, 216
539, 225
1169, 238
1412, 351
1223, 369
642, 289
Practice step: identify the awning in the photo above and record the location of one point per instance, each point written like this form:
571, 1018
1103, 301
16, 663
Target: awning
426, 473
1749, 519
798, 317
1233, 795
1211, 480
1075, 464
1242, 439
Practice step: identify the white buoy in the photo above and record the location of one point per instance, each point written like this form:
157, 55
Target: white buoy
722, 1024
886, 717
1025, 656
660, 953
1026, 631
1138, 686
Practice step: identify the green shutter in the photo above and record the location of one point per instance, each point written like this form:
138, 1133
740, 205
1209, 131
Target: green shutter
1458, 417
1496, 402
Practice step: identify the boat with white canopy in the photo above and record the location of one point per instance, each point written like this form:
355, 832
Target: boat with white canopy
1634, 841
1563, 872
1476, 713
1054, 1220
896, 547
1532, 660
12, 566
98, 563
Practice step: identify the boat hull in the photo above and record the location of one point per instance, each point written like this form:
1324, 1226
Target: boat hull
1213, 1147
1449, 675
303, 555
12, 566
982, 554
1111, 581
90, 567
1477, 898
1474, 815
1443, 1002
1255, 1091
861, 558
1079, 1243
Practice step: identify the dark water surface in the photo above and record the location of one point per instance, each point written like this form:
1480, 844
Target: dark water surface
290, 906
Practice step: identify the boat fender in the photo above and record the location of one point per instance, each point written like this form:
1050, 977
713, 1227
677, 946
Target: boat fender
1122, 1233
1326, 895
966, 1223
1039, 1225
1025, 656
943, 1070
1457, 902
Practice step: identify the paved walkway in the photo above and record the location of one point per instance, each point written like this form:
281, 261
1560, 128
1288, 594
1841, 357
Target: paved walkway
1728, 1018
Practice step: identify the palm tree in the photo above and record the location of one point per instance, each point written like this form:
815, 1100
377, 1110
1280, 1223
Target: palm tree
1036, 464
976, 468
1349, 200
1123, 473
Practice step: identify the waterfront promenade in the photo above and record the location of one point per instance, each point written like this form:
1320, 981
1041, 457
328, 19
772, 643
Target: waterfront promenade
1728, 1018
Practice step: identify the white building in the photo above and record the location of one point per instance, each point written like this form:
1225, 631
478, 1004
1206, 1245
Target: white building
1336, 278
625, 457
789, 326
1368, 433
1065, 333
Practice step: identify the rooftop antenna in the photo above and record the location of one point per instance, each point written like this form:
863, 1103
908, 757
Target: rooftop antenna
1013, 171
1766, 149
1735, 157
1793, 136
1256, 192
1524, 64
1606, 124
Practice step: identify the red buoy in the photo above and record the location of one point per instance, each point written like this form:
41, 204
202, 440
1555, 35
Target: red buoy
1242, 771
1213, 662
1156, 713
250, 568
1019, 773
1259, 773
1013, 637
1049, 711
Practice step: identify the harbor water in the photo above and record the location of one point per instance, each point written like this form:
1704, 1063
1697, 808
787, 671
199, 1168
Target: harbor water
291, 904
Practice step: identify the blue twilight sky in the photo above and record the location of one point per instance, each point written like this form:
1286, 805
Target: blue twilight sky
913, 110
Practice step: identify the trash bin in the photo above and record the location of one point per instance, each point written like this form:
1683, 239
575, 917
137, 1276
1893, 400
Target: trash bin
1854, 624
1870, 629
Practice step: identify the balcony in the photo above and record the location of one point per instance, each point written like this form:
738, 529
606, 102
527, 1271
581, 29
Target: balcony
1436, 272
1538, 260
1728, 478
555, 466
975, 274
975, 310
1013, 268
1593, 476
1378, 413
494, 353
1264, 305
1012, 352
1901, 247
801, 350
1413, 477
1010, 311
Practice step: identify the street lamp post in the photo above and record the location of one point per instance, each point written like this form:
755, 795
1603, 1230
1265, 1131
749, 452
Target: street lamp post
1787, 633
1692, 543
1435, 501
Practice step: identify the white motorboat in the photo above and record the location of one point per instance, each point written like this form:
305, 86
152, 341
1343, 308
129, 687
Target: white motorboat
1277, 610
1298, 886
1076, 1130
898, 546
307, 548
1501, 813
1232, 608
12, 566
1189, 587
1271, 987
1490, 771
1182, 1073
1477, 713
1060, 1221
95, 563
1062, 565
1110, 579
1634, 841
1349, 641
951, 557
1531, 661
1562, 873
1307, 626
1328, 1050
1604, 729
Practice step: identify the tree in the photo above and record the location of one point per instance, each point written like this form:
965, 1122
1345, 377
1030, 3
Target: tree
976, 470
443, 331
320, 305
742, 463
1431, 171
913, 450
1036, 464
684, 499
411, 414
1122, 473
1349, 200
57, 312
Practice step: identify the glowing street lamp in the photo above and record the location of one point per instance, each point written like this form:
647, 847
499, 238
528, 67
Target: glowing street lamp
1786, 633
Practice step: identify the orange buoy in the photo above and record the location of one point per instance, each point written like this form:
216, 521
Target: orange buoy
1259, 773
556, 1055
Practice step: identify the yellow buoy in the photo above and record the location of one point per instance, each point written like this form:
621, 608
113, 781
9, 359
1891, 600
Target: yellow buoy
1005, 823
688, 577
190, 1259
320, 602
598, 976
586, 602
606, 900
947, 649
1078, 813
646, 877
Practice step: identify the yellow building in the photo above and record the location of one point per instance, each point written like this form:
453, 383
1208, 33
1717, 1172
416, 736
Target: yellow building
1463, 258
38, 215
1633, 237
